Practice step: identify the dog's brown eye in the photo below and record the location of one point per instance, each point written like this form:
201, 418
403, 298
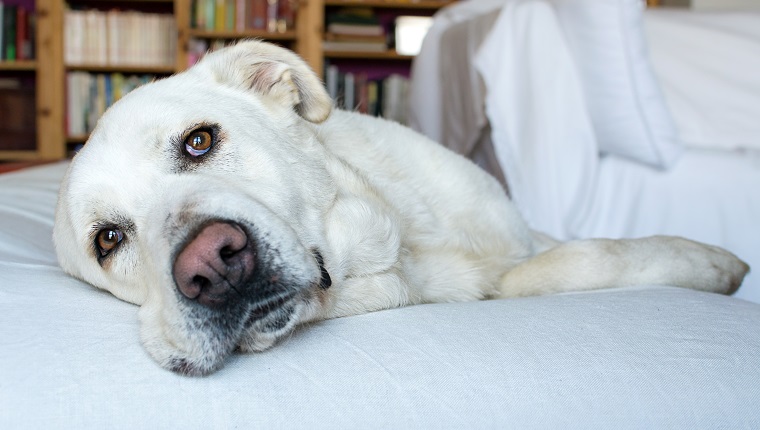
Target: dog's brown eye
198, 142
108, 239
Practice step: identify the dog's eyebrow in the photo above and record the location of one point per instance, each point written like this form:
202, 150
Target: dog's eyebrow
117, 220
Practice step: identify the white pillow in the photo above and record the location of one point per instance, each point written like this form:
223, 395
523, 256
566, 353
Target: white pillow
626, 105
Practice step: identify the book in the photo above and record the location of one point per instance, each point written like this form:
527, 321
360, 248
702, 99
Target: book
241, 13
88, 95
17, 110
356, 29
349, 46
272, 7
354, 38
9, 32
258, 16
2, 33
21, 20
119, 38
349, 96
219, 14
378, 97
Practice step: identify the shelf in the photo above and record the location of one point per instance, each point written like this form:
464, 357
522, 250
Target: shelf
19, 155
424, 4
158, 70
387, 55
23, 65
80, 138
260, 34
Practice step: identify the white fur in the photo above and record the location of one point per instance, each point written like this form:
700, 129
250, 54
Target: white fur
399, 219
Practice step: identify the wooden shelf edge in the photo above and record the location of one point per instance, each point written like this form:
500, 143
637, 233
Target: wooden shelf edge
424, 4
19, 155
21, 65
368, 55
258, 34
80, 138
159, 70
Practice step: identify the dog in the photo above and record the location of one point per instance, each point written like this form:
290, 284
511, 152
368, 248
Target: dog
232, 203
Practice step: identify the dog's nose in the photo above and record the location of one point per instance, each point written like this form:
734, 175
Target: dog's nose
213, 267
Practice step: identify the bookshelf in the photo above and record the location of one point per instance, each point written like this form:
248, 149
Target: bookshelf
360, 64
40, 72
50, 69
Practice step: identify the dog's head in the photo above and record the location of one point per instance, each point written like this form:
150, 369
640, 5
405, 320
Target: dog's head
199, 198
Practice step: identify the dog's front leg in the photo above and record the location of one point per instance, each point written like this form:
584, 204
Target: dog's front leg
363, 235
604, 263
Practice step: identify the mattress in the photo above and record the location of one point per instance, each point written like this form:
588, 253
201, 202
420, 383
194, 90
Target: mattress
644, 357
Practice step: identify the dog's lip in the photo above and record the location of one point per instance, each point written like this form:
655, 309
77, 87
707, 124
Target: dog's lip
265, 307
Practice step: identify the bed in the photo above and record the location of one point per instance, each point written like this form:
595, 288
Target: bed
639, 357
643, 357
603, 119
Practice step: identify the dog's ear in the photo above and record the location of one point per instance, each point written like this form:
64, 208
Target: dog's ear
274, 72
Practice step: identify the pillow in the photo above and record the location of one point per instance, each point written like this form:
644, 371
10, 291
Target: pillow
627, 108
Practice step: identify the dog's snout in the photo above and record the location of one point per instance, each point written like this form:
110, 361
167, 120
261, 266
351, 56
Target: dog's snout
213, 266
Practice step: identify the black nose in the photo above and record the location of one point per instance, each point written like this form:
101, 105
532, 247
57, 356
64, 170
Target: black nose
214, 265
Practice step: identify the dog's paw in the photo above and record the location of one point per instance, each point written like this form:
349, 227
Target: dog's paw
716, 269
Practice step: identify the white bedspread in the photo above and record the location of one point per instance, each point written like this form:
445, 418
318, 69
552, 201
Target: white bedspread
633, 358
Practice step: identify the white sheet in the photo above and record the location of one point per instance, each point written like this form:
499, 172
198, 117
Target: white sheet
549, 164
427, 114
547, 150
634, 358
709, 196
708, 64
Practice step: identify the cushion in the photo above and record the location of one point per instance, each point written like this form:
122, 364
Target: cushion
648, 357
626, 105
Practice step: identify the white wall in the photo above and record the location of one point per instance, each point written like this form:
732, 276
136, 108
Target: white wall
715, 4
725, 4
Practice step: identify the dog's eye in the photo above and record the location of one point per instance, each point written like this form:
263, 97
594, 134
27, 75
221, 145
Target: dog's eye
198, 142
107, 240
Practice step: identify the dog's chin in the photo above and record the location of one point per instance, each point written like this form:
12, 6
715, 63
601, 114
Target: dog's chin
263, 328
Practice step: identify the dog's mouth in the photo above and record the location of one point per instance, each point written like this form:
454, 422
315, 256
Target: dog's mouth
260, 328
272, 314
265, 305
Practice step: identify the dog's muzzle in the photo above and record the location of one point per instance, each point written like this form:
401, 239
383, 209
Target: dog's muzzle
215, 265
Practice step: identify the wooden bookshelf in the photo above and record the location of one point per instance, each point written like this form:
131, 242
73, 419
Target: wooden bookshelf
49, 69
48, 92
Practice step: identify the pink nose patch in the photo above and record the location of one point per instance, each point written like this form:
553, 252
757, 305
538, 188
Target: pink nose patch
213, 267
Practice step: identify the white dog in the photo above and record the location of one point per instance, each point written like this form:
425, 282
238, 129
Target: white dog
232, 205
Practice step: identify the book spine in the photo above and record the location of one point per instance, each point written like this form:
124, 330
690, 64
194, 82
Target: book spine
2, 30
241, 14
349, 89
219, 14
210, 14
229, 14
21, 17
259, 14
272, 15
9, 32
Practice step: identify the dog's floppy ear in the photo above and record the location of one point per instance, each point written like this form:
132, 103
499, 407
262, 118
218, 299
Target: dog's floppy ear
272, 71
